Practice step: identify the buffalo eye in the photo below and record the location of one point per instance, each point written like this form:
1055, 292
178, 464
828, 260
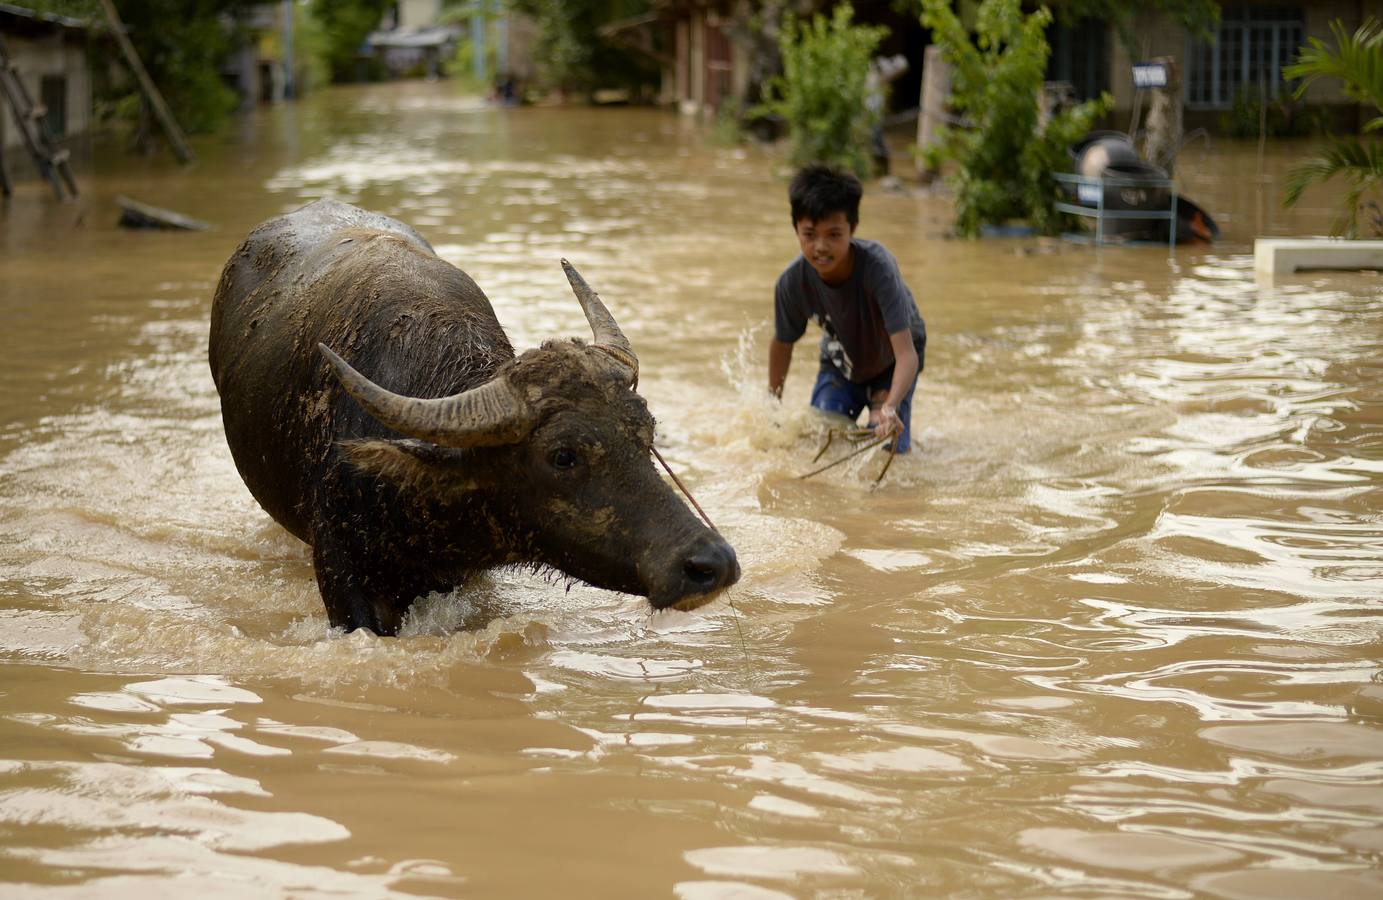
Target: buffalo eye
564, 458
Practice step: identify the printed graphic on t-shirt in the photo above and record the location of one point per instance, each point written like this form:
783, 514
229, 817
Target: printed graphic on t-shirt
832, 349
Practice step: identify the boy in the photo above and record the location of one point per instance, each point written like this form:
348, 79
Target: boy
874, 342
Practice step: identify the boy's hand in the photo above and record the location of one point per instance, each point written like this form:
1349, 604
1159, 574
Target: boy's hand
888, 423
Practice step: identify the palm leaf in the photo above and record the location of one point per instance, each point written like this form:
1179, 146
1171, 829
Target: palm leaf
1358, 162
1356, 59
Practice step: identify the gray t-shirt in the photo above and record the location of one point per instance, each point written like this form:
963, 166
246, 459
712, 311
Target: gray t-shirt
857, 315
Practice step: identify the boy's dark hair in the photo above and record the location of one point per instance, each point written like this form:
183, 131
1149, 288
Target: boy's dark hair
819, 190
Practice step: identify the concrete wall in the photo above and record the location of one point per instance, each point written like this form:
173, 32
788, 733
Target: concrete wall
59, 53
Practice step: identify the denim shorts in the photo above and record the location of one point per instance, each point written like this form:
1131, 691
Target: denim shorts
837, 394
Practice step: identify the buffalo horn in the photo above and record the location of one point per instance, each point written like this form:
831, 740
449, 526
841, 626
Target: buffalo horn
608, 337
484, 416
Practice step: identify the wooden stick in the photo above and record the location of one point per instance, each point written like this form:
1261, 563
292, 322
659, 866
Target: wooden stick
850, 455
146, 84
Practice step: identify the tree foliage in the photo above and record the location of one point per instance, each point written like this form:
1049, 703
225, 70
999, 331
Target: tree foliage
1005, 160
571, 53
181, 43
343, 26
1357, 60
823, 89
1199, 17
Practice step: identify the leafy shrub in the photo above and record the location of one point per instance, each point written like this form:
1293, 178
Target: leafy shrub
1005, 161
1284, 117
823, 90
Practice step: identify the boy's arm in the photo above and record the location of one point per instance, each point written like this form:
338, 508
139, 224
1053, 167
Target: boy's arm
904, 371
779, 359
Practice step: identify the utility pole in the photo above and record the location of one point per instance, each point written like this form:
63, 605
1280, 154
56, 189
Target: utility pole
478, 41
289, 88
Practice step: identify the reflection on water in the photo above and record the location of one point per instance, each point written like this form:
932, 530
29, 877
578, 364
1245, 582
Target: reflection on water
1112, 631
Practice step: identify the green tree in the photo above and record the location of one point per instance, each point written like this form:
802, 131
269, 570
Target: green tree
1357, 60
343, 26
1005, 160
1197, 16
823, 91
571, 53
181, 43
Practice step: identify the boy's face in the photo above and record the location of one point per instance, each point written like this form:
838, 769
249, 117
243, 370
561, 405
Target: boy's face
826, 245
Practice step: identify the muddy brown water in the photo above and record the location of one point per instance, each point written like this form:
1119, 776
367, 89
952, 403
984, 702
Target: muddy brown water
1112, 631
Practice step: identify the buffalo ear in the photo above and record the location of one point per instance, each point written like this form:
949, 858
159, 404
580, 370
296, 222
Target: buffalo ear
410, 464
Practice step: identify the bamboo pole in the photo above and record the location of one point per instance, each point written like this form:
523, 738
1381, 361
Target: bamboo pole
146, 84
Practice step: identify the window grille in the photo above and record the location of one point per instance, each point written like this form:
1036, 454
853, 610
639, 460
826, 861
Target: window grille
1080, 55
1252, 46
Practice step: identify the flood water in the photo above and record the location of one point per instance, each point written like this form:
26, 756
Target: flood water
1112, 630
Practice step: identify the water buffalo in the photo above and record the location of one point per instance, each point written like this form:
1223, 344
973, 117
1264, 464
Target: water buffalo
454, 456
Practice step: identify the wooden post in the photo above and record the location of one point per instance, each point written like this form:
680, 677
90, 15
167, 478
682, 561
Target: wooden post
1163, 140
146, 85
936, 98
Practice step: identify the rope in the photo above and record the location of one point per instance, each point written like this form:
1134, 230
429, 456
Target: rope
683, 488
629, 361
730, 601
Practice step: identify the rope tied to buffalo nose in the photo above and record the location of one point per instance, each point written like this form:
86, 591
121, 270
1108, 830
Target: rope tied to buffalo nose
683, 488
730, 601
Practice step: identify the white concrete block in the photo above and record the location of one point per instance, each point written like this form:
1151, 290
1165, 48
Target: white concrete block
1282, 256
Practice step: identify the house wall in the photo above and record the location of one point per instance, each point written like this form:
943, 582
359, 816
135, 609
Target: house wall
59, 53
710, 67
1159, 35
1318, 18
419, 13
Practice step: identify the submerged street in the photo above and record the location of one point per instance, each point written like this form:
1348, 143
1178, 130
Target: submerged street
1112, 629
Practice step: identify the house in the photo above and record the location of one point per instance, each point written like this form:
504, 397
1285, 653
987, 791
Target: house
709, 66
1241, 65
715, 53
709, 55
49, 53
410, 39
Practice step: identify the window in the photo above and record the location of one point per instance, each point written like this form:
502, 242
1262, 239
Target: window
52, 94
1080, 56
1253, 45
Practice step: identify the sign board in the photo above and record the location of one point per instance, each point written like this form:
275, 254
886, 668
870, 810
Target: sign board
1149, 75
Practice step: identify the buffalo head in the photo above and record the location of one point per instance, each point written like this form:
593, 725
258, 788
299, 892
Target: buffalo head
554, 453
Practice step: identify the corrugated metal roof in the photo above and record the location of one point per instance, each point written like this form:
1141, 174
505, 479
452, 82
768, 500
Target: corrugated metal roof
32, 16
